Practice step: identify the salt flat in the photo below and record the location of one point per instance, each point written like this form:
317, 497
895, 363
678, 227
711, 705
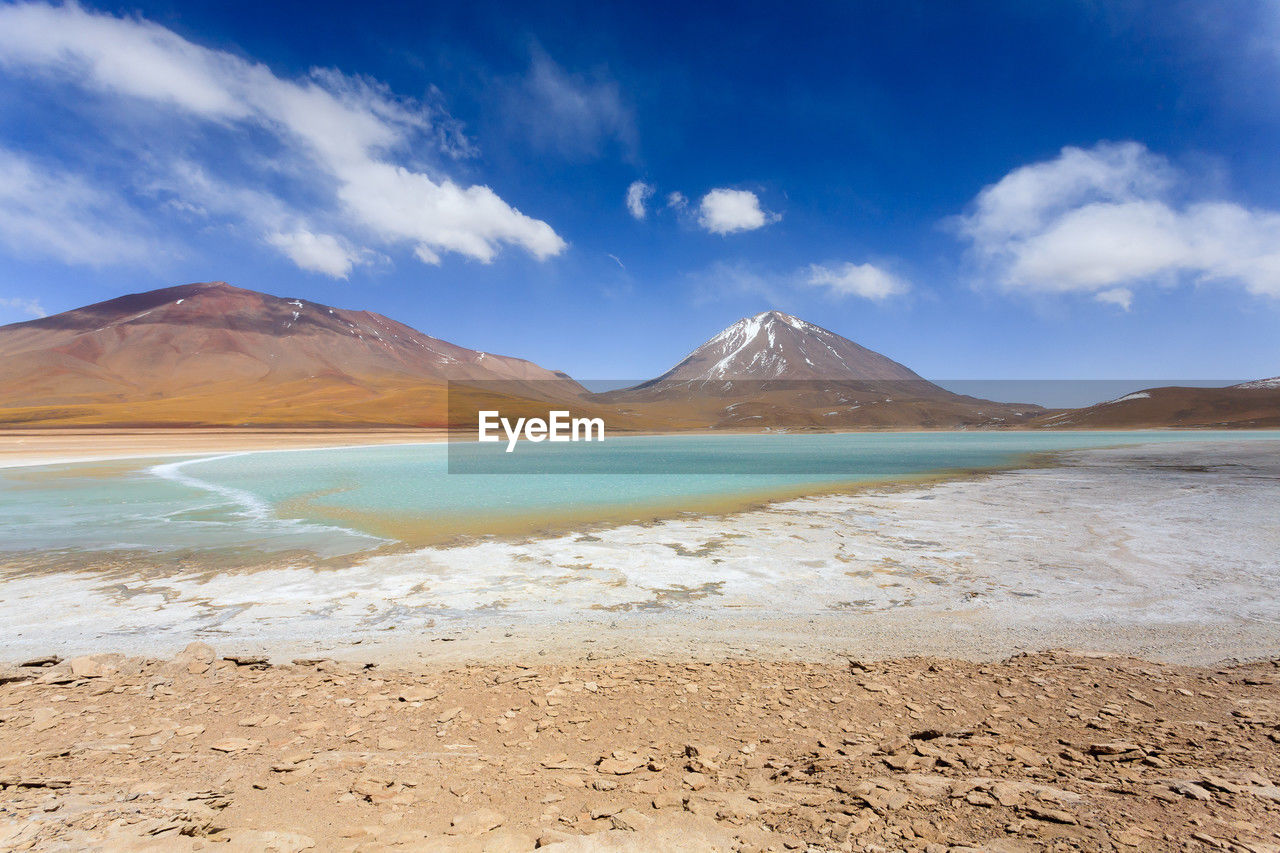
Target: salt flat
1170, 551
22, 447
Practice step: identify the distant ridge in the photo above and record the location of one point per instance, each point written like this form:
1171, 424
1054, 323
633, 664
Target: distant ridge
1246, 405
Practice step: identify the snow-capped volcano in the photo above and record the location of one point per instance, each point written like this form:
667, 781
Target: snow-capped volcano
776, 371
774, 345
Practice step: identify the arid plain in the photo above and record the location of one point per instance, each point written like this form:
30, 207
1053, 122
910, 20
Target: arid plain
882, 681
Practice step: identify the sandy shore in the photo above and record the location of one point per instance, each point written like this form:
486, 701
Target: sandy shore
56, 446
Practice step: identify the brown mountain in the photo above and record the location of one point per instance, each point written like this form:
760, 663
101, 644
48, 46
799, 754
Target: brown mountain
1249, 405
212, 354
776, 370
216, 354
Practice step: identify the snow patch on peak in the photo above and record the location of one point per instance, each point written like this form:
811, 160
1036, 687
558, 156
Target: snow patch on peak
733, 341
1137, 395
738, 352
775, 316
1273, 382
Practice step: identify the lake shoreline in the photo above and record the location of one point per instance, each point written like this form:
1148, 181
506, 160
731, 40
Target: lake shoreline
1156, 550
36, 446
388, 531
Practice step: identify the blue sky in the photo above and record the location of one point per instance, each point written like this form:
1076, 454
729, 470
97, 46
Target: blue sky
979, 190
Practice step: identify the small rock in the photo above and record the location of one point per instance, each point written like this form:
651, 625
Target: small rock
1191, 790
630, 820
476, 822
88, 667
1051, 815
255, 661
255, 841
1006, 794
233, 744
621, 763
417, 693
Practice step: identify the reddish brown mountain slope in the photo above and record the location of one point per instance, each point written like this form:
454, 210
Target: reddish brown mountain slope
213, 354
216, 354
1249, 405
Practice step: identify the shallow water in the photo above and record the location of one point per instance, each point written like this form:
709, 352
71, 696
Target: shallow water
1166, 551
334, 502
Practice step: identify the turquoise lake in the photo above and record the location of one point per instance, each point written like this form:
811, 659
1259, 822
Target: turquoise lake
342, 501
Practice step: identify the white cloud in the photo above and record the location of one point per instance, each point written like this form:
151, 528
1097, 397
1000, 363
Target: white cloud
573, 115
404, 205
724, 211
339, 133
724, 279
322, 253
849, 279
29, 307
1119, 296
637, 195
677, 201
1106, 220
48, 212
838, 281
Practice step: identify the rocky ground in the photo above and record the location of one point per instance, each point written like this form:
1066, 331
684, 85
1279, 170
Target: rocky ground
1051, 751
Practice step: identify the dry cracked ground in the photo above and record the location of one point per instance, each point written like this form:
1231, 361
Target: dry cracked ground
1052, 751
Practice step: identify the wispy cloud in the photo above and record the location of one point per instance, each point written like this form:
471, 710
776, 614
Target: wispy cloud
322, 253
46, 211
28, 307
1107, 220
347, 140
574, 115
638, 195
725, 211
837, 281
735, 279
849, 279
